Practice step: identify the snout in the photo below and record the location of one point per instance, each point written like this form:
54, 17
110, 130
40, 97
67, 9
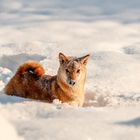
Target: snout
71, 82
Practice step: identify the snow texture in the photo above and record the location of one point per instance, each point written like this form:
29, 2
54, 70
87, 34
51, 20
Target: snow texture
39, 30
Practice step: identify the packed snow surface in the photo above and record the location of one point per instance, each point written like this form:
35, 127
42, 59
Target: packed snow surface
39, 30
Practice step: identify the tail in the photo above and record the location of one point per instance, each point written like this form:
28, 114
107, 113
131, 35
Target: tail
32, 67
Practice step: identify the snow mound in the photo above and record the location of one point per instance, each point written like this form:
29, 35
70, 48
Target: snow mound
5, 75
7, 131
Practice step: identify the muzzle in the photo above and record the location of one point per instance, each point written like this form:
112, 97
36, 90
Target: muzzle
71, 82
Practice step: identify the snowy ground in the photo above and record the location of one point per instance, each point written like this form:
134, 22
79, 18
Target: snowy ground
39, 30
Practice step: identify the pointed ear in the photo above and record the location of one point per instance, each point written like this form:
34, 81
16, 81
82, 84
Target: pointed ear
62, 58
84, 59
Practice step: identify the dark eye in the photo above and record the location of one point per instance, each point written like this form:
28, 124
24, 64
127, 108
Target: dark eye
78, 71
67, 71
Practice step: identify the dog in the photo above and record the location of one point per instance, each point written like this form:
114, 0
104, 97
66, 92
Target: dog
31, 82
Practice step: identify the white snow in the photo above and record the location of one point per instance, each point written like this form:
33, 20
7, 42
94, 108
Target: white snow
7, 132
39, 30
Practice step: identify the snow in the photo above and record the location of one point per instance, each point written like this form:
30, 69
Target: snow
39, 30
7, 130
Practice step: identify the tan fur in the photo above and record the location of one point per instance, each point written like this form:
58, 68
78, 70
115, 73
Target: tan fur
31, 82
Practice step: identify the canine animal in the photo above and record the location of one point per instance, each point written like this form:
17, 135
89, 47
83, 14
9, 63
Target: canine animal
31, 82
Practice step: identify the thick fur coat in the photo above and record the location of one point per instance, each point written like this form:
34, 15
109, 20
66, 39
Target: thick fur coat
31, 82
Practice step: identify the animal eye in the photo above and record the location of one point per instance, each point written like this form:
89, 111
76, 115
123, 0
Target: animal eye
67, 71
78, 71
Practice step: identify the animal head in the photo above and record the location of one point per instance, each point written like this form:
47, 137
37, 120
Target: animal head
72, 70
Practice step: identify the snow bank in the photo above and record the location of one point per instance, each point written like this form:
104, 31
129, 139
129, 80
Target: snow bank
35, 120
7, 131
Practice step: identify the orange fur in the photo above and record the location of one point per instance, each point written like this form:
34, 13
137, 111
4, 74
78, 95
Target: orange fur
39, 70
31, 82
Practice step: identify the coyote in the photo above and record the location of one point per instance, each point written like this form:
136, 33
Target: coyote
31, 82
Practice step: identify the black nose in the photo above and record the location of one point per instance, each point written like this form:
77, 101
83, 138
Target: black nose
72, 82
